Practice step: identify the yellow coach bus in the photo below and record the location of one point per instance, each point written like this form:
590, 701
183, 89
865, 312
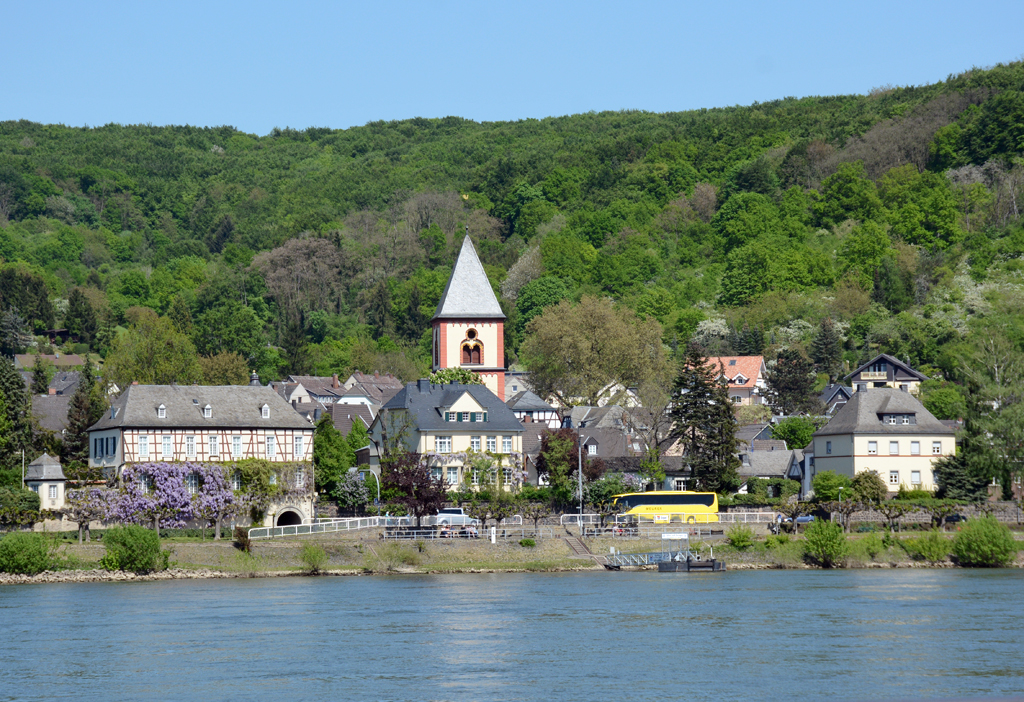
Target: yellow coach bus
667, 506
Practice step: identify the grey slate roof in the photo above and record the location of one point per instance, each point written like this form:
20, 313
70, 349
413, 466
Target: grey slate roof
343, 416
51, 411
526, 401
232, 406
468, 293
832, 390
377, 388
860, 415
324, 386
46, 467
773, 464
748, 432
427, 403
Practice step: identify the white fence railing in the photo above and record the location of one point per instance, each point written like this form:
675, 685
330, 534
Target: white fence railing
577, 519
322, 525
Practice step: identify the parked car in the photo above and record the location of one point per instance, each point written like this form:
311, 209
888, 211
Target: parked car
455, 516
955, 518
802, 519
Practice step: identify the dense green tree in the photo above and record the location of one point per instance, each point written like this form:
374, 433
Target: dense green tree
827, 350
790, 384
331, 456
826, 485
796, 431
746, 217
16, 431
81, 318
40, 376
85, 409
704, 424
534, 298
966, 474
847, 194
152, 352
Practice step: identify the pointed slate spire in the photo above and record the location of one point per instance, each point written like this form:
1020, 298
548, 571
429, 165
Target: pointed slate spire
468, 294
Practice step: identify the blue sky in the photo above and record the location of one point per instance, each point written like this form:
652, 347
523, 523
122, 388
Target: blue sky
261, 65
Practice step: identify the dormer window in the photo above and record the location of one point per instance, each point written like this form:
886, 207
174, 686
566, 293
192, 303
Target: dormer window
739, 379
265, 412
161, 412
207, 412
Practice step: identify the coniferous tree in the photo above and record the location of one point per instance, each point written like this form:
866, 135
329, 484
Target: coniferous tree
790, 384
295, 348
704, 424
181, 316
84, 410
827, 350
19, 413
330, 455
966, 474
40, 377
81, 318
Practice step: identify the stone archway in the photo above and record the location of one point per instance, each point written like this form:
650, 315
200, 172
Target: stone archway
289, 517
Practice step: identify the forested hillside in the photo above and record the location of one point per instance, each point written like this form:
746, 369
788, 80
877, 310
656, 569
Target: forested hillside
895, 214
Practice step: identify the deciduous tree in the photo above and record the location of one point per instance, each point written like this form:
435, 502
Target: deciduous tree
583, 353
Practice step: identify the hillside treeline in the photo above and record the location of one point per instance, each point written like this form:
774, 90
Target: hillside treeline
895, 214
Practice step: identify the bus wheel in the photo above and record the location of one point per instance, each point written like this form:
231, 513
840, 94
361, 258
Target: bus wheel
691, 520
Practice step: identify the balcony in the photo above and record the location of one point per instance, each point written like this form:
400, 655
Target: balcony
874, 375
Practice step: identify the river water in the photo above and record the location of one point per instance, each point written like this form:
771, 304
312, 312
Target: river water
772, 635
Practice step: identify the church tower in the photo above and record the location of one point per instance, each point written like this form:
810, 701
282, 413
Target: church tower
469, 326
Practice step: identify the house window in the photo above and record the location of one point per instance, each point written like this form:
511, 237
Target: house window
894, 477
161, 412
97, 448
828, 447
906, 419
506, 475
236, 480
736, 399
915, 448
271, 447
144, 445
300, 477
915, 477
891, 419
207, 412
894, 448
190, 446
679, 484
872, 447
453, 475
111, 445
506, 444
937, 448
492, 444
236, 447
299, 450
435, 473
214, 446
53, 492
904, 387
273, 478
474, 443
591, 449
35, 488
476, 477
166, 448
265, 412
443, 444
192, 483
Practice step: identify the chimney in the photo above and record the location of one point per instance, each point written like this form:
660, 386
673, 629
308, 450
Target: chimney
527, 419
423, 384
135, 382
254, 379
334, 381
294, 402
52, 391
862, 387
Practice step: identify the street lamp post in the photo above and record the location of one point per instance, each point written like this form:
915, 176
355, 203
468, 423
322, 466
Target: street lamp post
579, 469
841, 508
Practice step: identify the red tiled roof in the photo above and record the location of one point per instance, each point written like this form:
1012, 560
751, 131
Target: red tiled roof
747, 366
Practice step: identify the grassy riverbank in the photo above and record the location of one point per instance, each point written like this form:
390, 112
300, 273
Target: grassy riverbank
366, 554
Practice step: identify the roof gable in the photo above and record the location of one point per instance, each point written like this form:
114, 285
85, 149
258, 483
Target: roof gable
745, 368
896, 363
468, 293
